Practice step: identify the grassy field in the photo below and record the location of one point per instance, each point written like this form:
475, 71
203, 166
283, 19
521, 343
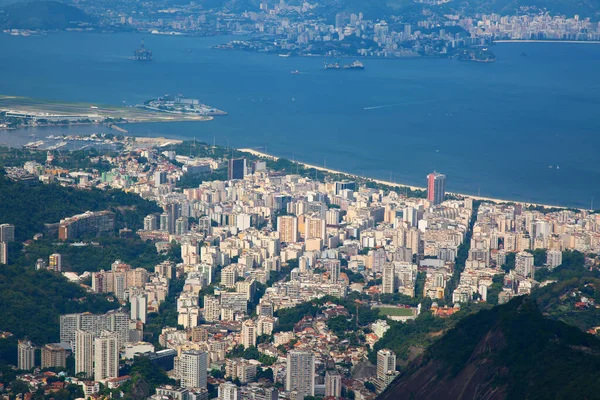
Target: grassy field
396, 312
92, 111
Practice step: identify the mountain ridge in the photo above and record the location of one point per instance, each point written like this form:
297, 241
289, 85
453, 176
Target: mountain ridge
510, 351
42, 15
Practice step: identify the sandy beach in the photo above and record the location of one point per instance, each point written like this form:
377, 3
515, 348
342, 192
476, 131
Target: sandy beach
399, 185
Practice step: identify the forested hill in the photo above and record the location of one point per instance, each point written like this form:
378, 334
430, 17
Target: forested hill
41, 15
508, 352
32, 302
29, 207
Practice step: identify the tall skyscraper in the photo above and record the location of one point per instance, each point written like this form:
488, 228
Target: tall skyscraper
106, 356
181, 225
386, 367
53, 355
55, 262
554, 258
344, 185
314, 227
301, 373
237, 168
436, 187
212, 308
386, 361
287, 226
3, 253
150, 223
334, 271
248, 333
333, 384
388, 281
26, 359
139, 307
165, 221
524, 264
114, 321
191, 367
84, 353
160, 177
7, 233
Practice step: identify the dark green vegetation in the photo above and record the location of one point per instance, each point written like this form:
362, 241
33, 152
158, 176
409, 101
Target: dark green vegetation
404, 338
42, 15
563, 299
95, 256
145, 378
509, 351
288, 317
32, 301
29, 207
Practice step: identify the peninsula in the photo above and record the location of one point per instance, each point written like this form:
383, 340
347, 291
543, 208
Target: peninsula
16, 112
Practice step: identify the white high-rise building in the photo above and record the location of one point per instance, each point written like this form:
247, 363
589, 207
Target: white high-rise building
386, 368
333, 384
139, 307
388, 281
300, 373
191, 367
228, 391
84, 353
212, 308
524, 264
3, 253
106, 356
26, 359
150, 223
248, 333
386, 362
554, 258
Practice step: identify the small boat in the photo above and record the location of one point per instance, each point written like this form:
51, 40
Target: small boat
284, 55
295, 72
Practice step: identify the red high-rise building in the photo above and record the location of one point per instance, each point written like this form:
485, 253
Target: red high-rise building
436, 187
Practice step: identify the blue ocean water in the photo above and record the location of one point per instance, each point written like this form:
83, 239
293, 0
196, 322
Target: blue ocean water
494, 129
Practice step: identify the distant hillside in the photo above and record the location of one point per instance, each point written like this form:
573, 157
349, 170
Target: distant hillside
374, 9
41, 15
508, 352
587, 8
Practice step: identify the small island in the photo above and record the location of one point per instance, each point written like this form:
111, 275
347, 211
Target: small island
181, 105
478, 54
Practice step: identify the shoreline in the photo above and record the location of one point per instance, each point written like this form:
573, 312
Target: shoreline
546, 41
400, 185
